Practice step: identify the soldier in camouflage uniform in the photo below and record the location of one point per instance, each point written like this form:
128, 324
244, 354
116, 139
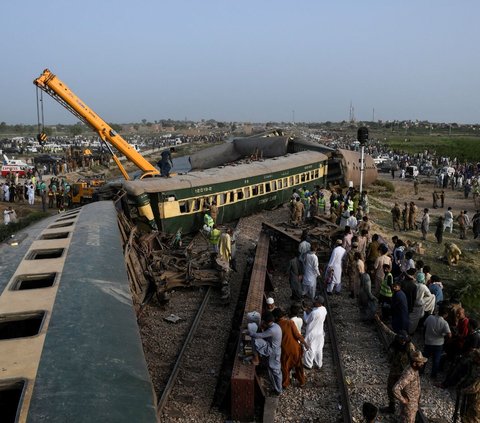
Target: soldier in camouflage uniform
399, 358
470, 389
407, 389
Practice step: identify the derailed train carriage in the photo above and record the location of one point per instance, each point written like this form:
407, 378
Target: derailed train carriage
170, 204
277, 165
70, 349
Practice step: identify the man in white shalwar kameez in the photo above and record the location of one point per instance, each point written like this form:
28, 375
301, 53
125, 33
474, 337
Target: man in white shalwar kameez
31, 194
333, 273
315, 334
310, 273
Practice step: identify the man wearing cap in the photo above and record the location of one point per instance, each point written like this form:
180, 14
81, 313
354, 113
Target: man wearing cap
399, 357
407, 389
270, 304
269, 344
314, 334
333, 273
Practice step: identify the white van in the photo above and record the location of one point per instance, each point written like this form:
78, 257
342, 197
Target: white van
411, 172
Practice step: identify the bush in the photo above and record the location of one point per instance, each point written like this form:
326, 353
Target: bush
385, 184
6, 231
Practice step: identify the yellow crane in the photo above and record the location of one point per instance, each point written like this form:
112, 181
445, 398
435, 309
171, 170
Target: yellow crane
53, 86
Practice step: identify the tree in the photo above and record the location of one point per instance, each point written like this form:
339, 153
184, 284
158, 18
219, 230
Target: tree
76, 129
144, 121
116, 127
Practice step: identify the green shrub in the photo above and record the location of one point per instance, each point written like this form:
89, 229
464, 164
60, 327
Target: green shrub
385, 184
6, 231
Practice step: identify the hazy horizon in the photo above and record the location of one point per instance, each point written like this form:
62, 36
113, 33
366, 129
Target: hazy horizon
244, 62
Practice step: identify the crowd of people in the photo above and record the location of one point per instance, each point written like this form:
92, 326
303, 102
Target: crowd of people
54, 194
392, 284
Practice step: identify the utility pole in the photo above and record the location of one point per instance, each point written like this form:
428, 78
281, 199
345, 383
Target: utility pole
373, 115
293, 117
362, 137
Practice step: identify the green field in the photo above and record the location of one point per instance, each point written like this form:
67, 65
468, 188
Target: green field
465, 148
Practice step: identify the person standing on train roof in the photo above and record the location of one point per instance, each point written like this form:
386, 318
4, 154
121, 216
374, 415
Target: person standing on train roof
165, 164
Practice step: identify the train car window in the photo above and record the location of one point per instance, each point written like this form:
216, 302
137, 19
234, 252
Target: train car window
223, 198
290, 181
303, 177
232, 197
255, 190
268, 187
297, 179
183, 206
239, 194
195, 206
261, 189
246, 191
279, 184
274, 185
317, 173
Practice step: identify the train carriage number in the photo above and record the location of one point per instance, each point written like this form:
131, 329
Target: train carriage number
203, 189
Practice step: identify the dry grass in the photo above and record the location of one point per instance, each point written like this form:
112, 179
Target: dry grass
460, 281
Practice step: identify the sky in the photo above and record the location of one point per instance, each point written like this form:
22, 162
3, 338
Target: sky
244, 61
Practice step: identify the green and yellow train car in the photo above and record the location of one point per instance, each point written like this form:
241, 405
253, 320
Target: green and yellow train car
238, 190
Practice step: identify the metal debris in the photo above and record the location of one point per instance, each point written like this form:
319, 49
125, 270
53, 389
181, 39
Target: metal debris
173, 318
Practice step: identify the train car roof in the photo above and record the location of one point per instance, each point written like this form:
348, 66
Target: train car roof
223, 173
86, 361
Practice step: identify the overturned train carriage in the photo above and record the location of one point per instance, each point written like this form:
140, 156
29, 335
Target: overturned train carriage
343, 165
238, 190
70, 348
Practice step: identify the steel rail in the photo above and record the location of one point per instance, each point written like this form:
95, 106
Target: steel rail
176, 368
342, 384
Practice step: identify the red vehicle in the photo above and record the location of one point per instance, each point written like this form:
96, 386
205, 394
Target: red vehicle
22, 171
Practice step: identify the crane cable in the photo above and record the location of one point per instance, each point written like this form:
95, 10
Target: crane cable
41, 136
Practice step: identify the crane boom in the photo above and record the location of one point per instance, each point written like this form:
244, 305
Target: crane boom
49, 83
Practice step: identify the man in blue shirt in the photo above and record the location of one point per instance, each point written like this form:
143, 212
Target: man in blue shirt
269, 344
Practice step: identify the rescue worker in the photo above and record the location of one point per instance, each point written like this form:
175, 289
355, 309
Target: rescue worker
215, 238
207, 222
322, 204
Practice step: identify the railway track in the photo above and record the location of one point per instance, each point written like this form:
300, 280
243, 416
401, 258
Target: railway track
333, 395
192, 351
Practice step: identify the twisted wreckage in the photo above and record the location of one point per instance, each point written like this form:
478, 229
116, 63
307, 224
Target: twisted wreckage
271, 166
